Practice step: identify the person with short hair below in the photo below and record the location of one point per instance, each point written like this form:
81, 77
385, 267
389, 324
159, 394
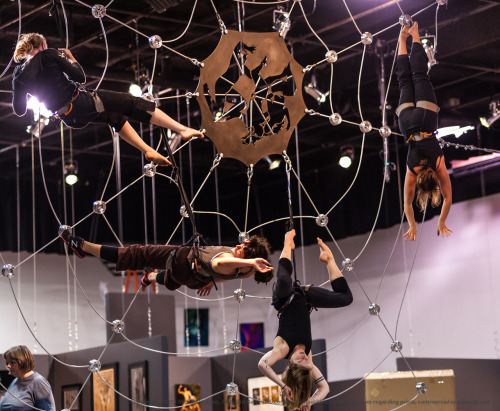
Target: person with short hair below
29, 389
179, 265
53, 77
418, 120
293, 340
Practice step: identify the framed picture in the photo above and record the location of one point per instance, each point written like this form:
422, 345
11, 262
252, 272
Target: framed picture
69, 394
252, 335
231, 402
186, 394
104, 398
196, 327
138, 385
265, 395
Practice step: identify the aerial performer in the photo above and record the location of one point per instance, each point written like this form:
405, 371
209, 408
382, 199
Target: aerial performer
54, 77
293, 340
418, 121
178, 265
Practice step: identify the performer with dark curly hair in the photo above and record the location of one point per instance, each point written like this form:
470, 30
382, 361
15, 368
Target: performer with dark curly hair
213, 264
293, 340
55, 78
418, 121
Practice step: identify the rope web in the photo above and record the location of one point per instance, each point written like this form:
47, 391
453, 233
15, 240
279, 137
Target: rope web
149, 172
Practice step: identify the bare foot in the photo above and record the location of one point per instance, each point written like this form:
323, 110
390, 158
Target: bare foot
157, 158
413, 31
289, 242
191, 132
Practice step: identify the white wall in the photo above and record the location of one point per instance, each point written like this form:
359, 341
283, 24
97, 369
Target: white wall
451, 309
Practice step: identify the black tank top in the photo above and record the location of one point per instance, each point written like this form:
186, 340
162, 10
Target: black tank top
423, 152
294, 322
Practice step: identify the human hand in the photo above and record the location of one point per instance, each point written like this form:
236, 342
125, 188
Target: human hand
204, 291
289, 242
325, 254
188, 133
286, 394
66, 54
262, 265
442, 230
411, 234
157, 158
305, 406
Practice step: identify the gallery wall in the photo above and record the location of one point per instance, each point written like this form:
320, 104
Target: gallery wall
451, 309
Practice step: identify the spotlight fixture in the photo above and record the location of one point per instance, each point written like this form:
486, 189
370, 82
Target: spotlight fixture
312, 90
457, 131
281, 21
346, 156
273, 164
429, 44
493, 116
135, 90
70, 171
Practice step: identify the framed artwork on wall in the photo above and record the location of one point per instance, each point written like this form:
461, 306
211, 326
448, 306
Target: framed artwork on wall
196, 327
69, 394
265, 395
104, 397
138, 385
186, 394
252, 335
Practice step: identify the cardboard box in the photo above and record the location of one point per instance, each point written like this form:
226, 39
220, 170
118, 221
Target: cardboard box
388, 390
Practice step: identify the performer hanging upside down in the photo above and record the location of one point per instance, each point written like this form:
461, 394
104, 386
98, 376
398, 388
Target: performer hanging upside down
294, 340
213, 263
418, 121
53, 77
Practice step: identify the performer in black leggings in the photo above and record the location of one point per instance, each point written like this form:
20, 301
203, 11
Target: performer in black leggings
418, 120
53, 77
293, 340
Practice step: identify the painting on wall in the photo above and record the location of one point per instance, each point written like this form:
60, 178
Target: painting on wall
104, 383
186, 395
138, 385
70, 396
252, 335
265, 395
196, 327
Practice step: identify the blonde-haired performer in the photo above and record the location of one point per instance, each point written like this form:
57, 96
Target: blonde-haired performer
29, 389
418, 121
54, 77
293, 340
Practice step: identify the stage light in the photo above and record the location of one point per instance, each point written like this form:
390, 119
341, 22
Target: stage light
273, 164
70, 171
493, 116
135, 90
39, 109
346, 156
281, 21
314, 92
457, 131
429, 44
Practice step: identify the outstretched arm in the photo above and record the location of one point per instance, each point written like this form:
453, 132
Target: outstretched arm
265, 367
409, 193
445, 186
226, 264
322, 389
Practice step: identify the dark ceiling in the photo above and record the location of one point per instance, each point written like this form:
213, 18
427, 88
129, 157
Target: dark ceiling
466, 79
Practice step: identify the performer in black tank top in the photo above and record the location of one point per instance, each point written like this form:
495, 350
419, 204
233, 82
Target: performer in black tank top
293, 340
418, 118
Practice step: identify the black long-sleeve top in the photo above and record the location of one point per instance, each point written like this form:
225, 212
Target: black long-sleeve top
49, 77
